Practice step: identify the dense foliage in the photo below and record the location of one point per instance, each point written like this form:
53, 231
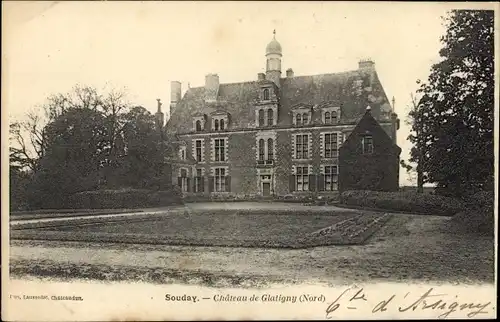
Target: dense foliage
452, 126
84, 141
409, 202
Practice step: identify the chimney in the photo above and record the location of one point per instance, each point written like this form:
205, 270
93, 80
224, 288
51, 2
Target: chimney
175, 94
289, 73
366, 64
261, 76
211, 87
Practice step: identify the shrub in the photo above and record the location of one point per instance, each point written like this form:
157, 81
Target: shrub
403, 201
124, 198
479, 215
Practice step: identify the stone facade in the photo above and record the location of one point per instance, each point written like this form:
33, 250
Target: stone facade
280, 136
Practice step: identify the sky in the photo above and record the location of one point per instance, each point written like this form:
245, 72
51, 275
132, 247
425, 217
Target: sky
49, 47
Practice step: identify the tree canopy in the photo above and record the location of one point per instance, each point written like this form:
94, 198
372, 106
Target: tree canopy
84, 140
452, 125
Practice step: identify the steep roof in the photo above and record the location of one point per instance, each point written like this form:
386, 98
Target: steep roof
368, 124
352, 91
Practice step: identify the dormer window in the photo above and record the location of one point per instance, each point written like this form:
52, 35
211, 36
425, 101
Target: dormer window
220, 120
331, 114
266, 94
199, 122
305, 119
302, 114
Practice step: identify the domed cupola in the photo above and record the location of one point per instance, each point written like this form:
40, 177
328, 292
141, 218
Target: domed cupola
273, 61
274, 46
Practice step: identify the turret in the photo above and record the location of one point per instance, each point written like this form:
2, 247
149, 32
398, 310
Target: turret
273, 60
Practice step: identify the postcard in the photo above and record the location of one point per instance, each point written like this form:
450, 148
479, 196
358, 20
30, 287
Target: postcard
249, 160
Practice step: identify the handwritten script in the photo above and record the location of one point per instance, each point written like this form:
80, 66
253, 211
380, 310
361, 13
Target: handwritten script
445, 305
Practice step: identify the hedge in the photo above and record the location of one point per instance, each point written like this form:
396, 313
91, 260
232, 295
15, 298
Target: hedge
479, 215
410, 202
125, 198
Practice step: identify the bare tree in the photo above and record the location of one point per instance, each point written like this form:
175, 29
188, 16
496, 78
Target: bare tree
28, 138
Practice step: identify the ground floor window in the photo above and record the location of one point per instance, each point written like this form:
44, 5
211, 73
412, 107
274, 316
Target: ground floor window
302, 179
331, 178
183, 181
199, 181
220, 180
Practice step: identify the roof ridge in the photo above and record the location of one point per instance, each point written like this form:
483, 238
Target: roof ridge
328, 74
220, 84
284, 78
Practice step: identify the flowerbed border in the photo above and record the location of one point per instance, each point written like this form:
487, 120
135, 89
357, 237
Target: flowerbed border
41, 231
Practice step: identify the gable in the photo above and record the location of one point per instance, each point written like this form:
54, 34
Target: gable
368, 125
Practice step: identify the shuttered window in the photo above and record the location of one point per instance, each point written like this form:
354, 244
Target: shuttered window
221, 180
302, 179
331, 178
199, 181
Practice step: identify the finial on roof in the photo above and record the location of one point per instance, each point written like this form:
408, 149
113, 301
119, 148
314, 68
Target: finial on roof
274, 33
393, 103
159, 104
368, 108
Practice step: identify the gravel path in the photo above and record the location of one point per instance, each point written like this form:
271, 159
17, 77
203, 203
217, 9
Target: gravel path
407, 248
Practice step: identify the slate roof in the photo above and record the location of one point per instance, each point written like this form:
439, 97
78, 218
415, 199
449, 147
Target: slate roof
352, 91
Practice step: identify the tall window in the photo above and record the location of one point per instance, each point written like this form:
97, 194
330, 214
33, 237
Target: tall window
328, 118
262, 150
220, 180
270, 155
198, 181
301, 146
266, 94
331, 148
221, 124
270, 117
302, 179
182, 153
219, 147
367, 144
298, 119
183, 180
216, 125
261, 117
331, 178
198, 126
199, 156
305, 119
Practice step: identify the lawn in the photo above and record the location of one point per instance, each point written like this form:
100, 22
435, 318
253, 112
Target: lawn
271, 228
407, 249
